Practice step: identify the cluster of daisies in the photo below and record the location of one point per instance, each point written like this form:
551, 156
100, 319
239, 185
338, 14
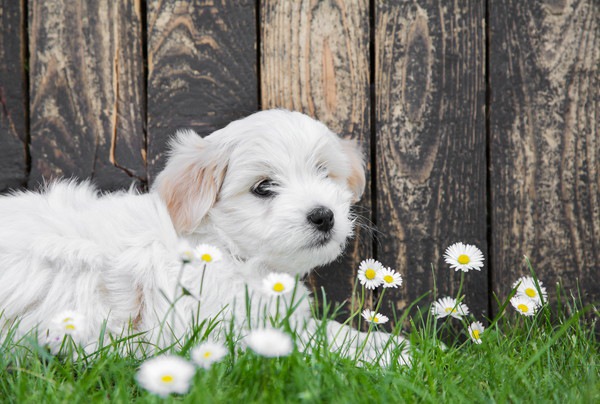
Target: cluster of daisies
529, 296
274, 284
166, 374
372, 274
529, 293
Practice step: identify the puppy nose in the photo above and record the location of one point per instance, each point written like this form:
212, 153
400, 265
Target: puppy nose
321, 218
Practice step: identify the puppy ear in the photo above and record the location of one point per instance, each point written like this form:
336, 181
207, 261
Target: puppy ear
356, 179
191, 180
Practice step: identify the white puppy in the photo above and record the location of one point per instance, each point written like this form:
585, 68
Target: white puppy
272, 191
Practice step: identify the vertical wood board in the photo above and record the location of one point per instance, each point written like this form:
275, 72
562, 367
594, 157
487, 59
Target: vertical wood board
545, 149
315, 59
86, 92
431, 142
201, 69
13, 91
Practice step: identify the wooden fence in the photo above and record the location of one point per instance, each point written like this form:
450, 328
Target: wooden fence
479, 118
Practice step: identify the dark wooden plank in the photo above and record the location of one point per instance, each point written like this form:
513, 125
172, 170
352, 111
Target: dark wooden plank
431, 159
13, 90
545, 148
315, 59
87, 91
201, 67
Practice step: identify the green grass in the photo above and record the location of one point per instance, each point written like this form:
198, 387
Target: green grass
552, 356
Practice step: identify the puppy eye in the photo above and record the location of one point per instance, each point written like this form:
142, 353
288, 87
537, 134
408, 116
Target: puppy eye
264, 189
323, 170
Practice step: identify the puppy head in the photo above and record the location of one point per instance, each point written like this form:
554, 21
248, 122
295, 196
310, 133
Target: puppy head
276, 186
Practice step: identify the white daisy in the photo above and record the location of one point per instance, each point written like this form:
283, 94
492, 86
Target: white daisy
476, 331
447, 306
166, 374
464, 257
374, 317
185, 252
208, 254
526, 287
69, 323
278, 284
369, 273
524, 305
207, 353
269, 342
390, 278
65, 323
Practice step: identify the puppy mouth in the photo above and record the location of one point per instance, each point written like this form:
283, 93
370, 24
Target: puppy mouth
320, 240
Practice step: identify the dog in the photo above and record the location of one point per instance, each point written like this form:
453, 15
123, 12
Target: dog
273, 192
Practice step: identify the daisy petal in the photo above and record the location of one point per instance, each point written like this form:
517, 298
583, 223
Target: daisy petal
476, 331
276, 284
524, 305
269, 342
369, 273
374, 317
390, 278
207, 353
464, 257
527, 288
447, 306
166, 374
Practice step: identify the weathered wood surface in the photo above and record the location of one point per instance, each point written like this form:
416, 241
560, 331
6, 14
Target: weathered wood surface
202, 70
431, 159
87, 115
13, 90
86, 91
545, 149
315, 59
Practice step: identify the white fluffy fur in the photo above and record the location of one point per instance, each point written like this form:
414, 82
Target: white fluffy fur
114, 256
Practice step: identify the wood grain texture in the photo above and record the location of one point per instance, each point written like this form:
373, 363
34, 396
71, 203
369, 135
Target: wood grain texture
315, 59
545, 148
13, 90
201, 68
86, 86
431, 160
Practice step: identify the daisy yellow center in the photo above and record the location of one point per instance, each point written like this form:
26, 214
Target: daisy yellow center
207, 354
66, 320
450, 310
388, 279
278, 287
167, 379
206, 257
476, 334
463, 259
375, 320
523, 308
70, 327
370, 273
530, 292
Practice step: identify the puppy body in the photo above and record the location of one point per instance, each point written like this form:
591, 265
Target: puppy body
68, 249
255, 189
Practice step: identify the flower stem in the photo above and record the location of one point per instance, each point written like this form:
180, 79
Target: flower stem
202, 282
